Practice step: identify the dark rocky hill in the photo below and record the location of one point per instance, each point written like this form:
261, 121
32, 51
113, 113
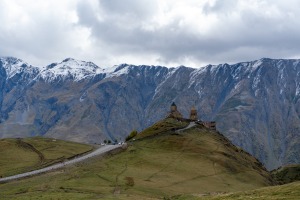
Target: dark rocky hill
256, 104
287, 174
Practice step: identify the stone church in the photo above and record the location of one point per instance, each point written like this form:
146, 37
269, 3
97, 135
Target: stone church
174, 113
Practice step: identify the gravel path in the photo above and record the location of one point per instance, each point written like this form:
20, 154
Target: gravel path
99, 151
192, 124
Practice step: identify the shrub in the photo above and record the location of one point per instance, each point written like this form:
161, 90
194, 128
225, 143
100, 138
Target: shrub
131, 135
129, 181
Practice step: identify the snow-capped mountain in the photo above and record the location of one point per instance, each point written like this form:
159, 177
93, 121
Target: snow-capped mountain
256, 104
70, 69
14, 66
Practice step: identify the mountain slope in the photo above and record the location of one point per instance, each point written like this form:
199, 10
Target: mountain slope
255, 104
195, 161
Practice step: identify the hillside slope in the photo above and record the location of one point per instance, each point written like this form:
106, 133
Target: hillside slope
158, 165
287, 174
23, 155
288, 191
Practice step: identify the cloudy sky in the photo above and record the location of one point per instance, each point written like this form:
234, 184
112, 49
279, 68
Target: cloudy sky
155, 32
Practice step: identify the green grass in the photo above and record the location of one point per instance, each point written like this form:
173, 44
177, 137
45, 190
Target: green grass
287, 174
193, 162
289, 192
161, 127
22, 155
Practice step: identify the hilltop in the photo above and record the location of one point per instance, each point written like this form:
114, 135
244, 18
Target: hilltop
162, 161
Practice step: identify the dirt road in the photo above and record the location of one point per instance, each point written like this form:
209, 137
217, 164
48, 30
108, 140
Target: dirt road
97, 152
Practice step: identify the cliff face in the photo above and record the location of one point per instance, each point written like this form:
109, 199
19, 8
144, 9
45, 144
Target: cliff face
256, 104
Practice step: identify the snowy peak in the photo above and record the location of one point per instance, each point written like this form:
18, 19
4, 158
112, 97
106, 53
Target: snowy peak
135, 70
76, 70
15, 66
117, 70
70, 68
120, 67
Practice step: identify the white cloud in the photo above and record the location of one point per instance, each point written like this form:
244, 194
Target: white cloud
169, 32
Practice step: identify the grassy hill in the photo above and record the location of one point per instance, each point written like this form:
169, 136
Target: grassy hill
287, 174
22, 155
159, 163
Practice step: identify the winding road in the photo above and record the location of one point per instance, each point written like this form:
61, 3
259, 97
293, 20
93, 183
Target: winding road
97, 152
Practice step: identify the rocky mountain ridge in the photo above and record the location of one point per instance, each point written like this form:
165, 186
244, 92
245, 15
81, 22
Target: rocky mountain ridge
255, 104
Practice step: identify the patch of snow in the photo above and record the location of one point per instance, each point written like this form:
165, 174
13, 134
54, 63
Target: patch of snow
239, 70
124, 70
240, 107
110, 69
295, 64
196, 73
256, 81
213, 68
256, 64
237, 86
297, 83
257, 77
199, 92
171, 71
256, 93
117, 70
158, 74
83, 96
282, 78
281, 91
297, 90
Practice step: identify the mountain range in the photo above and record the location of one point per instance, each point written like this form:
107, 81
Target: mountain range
255, 104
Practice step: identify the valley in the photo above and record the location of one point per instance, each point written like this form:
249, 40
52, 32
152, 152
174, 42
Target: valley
149, 99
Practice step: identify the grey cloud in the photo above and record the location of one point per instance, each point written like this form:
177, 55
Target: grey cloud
45, 38
168, 41
87, 16
224, 6
252, 36
119, 28
136, 8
